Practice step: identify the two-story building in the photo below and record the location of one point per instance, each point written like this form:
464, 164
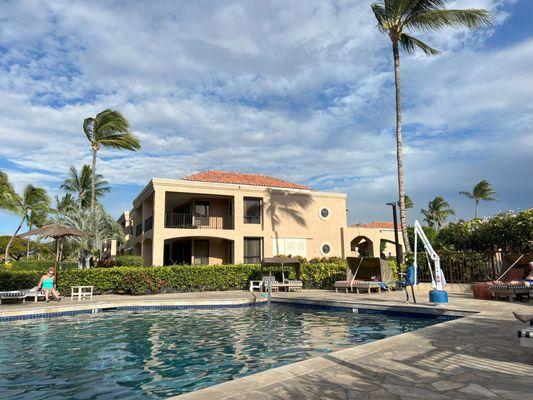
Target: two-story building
218, 217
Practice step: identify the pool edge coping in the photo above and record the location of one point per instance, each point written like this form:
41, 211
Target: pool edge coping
127, 305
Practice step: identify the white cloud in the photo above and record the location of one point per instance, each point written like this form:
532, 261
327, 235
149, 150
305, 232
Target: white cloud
301, 90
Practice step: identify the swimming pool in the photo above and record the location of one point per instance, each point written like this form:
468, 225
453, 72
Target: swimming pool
157, 354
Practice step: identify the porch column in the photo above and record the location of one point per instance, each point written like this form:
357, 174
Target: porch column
158, 243
238, 247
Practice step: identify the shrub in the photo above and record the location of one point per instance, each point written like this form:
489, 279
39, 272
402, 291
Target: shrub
144, 280
129, 261
321, 275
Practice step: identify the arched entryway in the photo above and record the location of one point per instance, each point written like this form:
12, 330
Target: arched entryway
361, 246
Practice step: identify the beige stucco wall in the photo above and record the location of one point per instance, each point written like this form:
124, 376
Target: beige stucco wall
286, 214
375, 235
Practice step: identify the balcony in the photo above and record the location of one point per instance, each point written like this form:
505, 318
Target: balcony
148, 224
139, 230
191, 221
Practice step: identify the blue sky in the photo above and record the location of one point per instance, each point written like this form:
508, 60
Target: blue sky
301, 90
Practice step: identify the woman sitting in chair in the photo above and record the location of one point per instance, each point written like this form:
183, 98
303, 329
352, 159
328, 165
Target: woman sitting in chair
47, 284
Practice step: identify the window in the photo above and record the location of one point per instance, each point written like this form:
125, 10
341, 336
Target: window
252, 250
325, 249
289, 246
252, 210
324, 213
201, 252
201, 213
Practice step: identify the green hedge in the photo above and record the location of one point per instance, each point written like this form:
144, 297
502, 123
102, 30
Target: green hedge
40, 265
145, 280
129, 261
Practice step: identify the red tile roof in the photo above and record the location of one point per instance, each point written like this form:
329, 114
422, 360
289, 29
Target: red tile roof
376, 225
238, 178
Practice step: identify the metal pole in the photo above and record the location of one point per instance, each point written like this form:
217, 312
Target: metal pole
396, 242
398, 248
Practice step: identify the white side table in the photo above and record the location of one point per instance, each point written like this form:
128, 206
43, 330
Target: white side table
81, 292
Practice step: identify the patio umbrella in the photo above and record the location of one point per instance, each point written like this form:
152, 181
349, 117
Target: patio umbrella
58, 232
281, 262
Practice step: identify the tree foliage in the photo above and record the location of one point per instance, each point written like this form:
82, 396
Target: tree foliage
108, 129
511, 231
101, 225
482, 191
437, 212
79, 183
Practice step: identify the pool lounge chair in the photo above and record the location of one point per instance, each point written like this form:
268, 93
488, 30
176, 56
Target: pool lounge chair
13, 294
510, 291
367, 285
526, 337
271, 280
293, 284
34, 293
348, 284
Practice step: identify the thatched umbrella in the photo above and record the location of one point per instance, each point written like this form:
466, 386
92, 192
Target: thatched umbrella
58, 232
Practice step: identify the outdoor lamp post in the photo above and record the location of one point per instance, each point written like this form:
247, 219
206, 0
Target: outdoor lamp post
396, 242
398, 248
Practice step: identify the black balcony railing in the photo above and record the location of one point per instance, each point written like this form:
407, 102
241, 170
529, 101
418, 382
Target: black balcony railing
148, 224
191, 221
139, 230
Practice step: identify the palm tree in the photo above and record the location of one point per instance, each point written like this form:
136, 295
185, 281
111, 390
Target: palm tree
102, 226
33, 199
81, 184
108, 129
7, 193
394, 17
437, 212
408, 202
36, 218
482, 191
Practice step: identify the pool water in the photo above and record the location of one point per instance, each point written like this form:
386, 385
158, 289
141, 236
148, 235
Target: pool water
157, 354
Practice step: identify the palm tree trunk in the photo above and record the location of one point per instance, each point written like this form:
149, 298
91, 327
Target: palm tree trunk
28, 245
399, 146
93, 178
477, 205
6, 256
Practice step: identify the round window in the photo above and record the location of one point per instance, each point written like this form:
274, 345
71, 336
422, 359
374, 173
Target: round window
324, 213
325, 249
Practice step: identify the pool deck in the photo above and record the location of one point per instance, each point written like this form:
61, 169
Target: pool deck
475, 357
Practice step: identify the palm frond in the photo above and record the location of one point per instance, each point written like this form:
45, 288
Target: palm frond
410, 44
109, 122
439, 19
121, 141
466, 194
483, 191
80, 184
422, 6
88, 124
381, 17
